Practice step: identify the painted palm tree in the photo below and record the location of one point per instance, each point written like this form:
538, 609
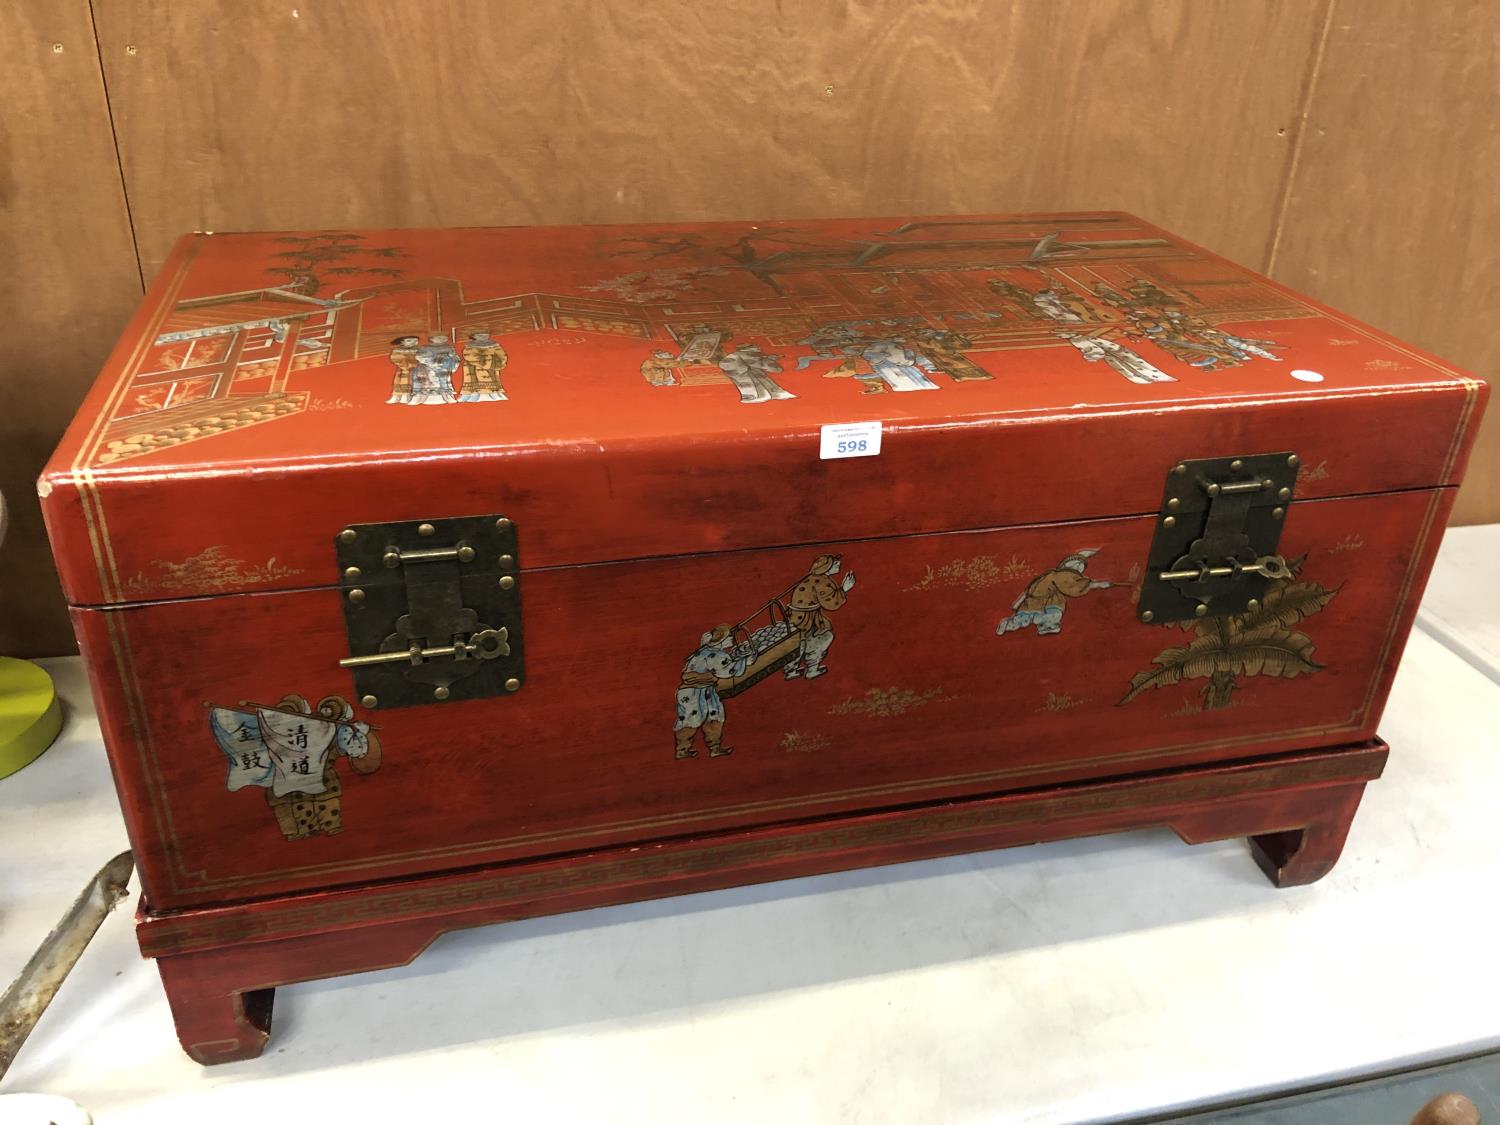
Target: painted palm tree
1261, 642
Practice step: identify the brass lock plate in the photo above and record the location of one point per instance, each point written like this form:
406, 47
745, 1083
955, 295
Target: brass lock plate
432, 609
1217, 533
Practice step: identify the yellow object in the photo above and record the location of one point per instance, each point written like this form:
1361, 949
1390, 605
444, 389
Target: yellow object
29, 713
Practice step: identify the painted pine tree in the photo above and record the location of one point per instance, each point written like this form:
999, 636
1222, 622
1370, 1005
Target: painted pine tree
310, 259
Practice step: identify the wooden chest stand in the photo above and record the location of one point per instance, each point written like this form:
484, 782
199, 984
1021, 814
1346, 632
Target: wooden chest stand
430, 579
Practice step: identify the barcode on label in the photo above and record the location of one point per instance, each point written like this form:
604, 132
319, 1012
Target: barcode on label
850, 439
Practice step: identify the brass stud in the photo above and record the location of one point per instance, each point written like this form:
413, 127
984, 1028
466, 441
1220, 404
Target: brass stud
1180, 469
507, 560
512, 684
426, 529
348, 535
369, 701
1236, 465
1293, 461
1147, 615
1173, 504
1277, 513
391, 558
466, 554
440, 693
1201, 609
352, 573
507, 582
1212, 490
1252, 605
1170, 521
1284, 494
502, 523
356, 595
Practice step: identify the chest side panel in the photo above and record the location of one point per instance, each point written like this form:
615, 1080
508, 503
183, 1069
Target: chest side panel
676, 696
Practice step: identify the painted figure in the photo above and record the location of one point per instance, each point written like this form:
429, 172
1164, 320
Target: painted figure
788, 632
1109, 296
1044, 601
661, 369
1149, 293
1244, 346
946, 350
1004, 287
432, 381
750, 370
1237, 348
1188, 338
1057, 303
812, 600
829, 341
483, 359
404, 360
1127, 362
1193, 340
290, 751
859, 368
699, 707
901, 368
1159, 331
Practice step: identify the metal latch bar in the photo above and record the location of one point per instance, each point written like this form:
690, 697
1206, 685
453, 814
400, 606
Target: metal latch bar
1236, 487
487, 644
394, 556
1267, 566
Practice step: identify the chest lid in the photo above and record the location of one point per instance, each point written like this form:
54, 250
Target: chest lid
635, 391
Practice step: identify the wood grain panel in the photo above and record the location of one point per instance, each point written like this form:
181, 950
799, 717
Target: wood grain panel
241, 114
1392, 209
70, 279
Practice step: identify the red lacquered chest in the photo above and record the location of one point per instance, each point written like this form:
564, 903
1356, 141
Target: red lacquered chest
435, 578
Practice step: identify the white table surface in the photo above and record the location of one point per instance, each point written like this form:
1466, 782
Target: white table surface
1086, 980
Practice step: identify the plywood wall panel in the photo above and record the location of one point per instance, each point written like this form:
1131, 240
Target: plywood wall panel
70, 280
240, 114
1393, 211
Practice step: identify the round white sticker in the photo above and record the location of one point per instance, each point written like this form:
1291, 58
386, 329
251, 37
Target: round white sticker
1307, 376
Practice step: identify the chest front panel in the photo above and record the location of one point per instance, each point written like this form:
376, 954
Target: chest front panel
681, 695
